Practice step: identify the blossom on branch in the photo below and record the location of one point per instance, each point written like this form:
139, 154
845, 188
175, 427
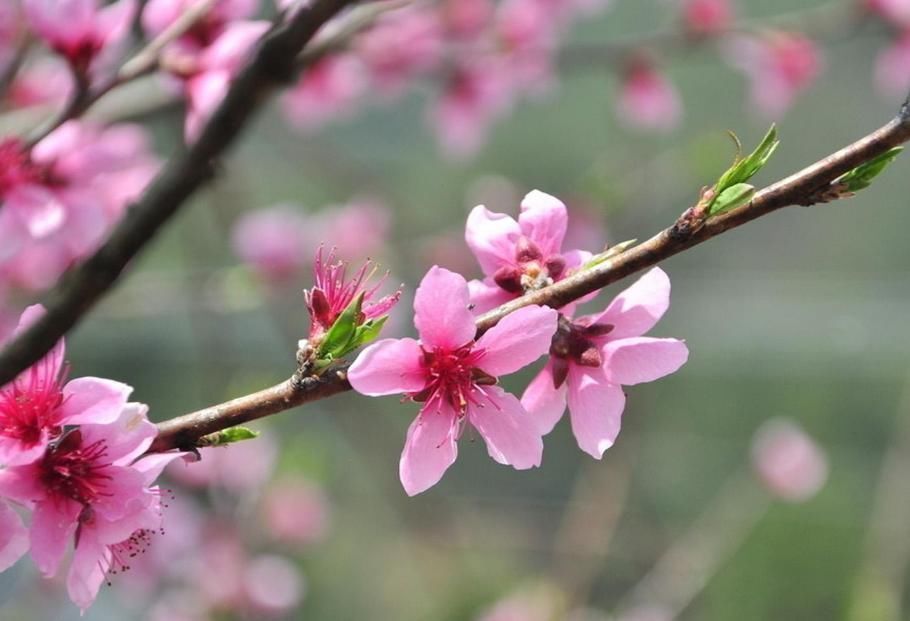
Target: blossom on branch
455, 378
593, 357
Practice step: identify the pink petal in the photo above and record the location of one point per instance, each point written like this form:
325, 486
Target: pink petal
544, 221
152, 465
115, 19
517, 340
53, 524
125, 438
429, 450
123, 493
22, 484
511, 435
595, 409
48, 368
635, 311
40, 209
93, 400
441, 310
86, 573
13, 537
204, 94
388, 367
544, 403
486, 295
14, 452
491, 237
643, 359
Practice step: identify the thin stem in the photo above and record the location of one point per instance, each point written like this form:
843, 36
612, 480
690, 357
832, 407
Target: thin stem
801, 188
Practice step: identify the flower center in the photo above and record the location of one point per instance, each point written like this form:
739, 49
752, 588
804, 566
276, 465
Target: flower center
531, 271
453, 377
17, 168
75, 470
30, 406
575, 342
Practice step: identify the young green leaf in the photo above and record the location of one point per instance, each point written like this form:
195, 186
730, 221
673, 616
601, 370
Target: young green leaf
336, 341
734, 196
745, 168
861, 177
367, 332
228, 436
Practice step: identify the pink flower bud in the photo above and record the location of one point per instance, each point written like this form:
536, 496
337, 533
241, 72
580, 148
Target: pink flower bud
707, 17
647, 100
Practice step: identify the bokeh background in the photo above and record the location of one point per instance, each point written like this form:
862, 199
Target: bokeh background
800, 315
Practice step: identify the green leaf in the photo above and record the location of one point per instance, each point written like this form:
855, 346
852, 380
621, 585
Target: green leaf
336, 341
745, 168
367, 332
228, 436
861, 177
731, 198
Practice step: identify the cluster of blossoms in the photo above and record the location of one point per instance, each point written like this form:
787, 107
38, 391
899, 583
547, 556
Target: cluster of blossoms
455, 375
71, 458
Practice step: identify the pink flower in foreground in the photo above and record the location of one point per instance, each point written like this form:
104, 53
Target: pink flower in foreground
787, 461
707, 17
892, 68
273, 241
90, 489
647, 99
593, 357
519, 256
455, 379
79, 30
779, 65
333, 292
36, 405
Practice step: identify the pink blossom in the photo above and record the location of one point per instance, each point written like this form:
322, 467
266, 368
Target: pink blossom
44, 81
892, 68
274, 586
273, 241
787, 461
80, 30
779, 66
159, 14
357, 229
402, 45
455, 379
466, 19
89, 488
647, 99
13, 537
707, 17
527, 32
521, 256
332, 292
239, 468
895, 11
593, 357
296, 512
326, 91
36, 405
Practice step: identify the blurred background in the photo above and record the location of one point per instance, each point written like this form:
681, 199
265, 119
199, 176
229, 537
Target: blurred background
799, 316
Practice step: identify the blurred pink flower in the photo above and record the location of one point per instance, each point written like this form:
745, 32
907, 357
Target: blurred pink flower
274, 585
274, 241
89, 487
159, 14
79, 30
892, 68
519, 256
895, 11
357, 230
296, 512
707, 17
455, 379
593, 357
44, 81
327, 91
787, 461
400, 46
35, 407
466, 19
779, 65
240, 468
527, 33
647, 99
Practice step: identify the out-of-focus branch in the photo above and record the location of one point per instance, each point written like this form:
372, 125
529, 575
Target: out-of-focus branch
805, 187
273, 64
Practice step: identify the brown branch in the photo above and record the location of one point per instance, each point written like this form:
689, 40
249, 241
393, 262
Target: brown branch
272, 64
798, 189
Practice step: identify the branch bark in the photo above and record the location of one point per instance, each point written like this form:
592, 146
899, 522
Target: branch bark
801, 188
272, 64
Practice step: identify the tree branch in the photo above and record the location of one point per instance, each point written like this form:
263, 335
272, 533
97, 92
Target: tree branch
801, 188
272, 65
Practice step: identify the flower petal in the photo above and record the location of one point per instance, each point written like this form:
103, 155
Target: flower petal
486, 295
491, 237
13, 537
544, 221
643, 359
53, 523
595, 409
429, 449
93, 400
86, 572
47, 369
441, 310
517, 340
544, 403
635, 311
511, 435
125, 438
388, 367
